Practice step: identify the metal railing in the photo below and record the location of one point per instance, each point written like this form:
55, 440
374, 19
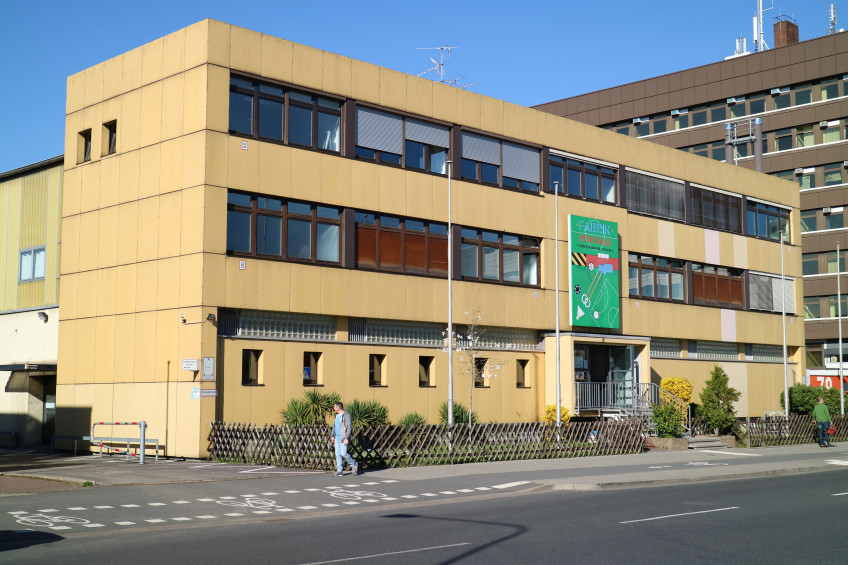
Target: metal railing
634, 399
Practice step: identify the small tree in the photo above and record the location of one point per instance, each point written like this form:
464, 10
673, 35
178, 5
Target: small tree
550, 415
666, 420
717, 400
472, 363
803, 398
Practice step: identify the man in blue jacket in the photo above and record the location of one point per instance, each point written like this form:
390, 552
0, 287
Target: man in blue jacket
341, 437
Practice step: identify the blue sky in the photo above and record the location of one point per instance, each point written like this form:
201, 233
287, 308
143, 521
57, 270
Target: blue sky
544, 51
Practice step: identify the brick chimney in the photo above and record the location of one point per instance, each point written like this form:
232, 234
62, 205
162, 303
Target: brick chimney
785, 33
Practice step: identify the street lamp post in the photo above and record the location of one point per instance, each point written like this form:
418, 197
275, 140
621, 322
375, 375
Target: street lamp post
839, 322
450, 301
783, 327
556, 291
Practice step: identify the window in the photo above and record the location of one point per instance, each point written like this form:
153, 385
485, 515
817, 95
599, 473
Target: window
833, 174
834, 219
283, 229
623, 129
815, 358
656, 278
84, 146
251, 370
496, 257
718, 112
405, 245
737, 108
803, 94
643, 127
808, 220
716, 210
810, 263
32, 264
655, 196
829, 89
767, 222
830, 132
110, 138
717, 150
770, 294
394, 140
583, 180
311, 375
833, 306
271, 112
660, 123
699, 116
375, 369
681, 119
425, 364
717, 286
830, 260
485, 159
812, 307
757, 104
702, 150
783, 139
781, 99
521, 373
807, 178
480, 379
804, 136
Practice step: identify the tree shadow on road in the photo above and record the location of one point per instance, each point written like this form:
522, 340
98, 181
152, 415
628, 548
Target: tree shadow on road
11, 540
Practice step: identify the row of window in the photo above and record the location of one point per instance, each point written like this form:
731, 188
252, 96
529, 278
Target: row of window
824, 306
829, 218
673, 280
830, 174
823, 263
274, 228
109, 142
734, 108
313, 375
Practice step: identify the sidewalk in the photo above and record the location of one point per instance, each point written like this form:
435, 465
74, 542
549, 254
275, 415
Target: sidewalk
23, 471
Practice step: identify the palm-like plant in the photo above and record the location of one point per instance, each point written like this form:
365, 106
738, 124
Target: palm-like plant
311, 410
460, 414
367, 413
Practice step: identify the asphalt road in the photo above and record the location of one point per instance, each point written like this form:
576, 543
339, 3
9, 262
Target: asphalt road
787, 519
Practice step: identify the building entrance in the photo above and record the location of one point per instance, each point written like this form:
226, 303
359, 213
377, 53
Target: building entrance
605, 376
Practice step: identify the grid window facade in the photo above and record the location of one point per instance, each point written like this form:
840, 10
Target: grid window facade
390, 139
717, 286
496, 257
655, 196
718, 350
656, 278
392, 243
717, 210
582, 180
665, 347
766, 221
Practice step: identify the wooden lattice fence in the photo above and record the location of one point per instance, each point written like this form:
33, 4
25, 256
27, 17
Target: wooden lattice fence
310, 447
764, 432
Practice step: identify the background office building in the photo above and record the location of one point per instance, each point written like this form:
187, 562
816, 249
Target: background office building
30, 236
246, 218
800, 92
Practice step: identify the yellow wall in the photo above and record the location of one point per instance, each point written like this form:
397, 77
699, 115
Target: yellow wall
145, 240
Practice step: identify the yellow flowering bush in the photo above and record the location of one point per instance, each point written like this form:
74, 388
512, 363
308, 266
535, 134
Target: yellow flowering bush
550, 415
679, 387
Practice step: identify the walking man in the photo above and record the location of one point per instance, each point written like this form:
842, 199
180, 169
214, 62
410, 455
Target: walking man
822, 417
341, 438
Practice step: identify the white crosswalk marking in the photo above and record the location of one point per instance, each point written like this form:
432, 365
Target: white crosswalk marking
130, 505
464, 490
54, 510
92, 525
307, 507
156, 504
77, 508
155, 520
510, 485
234, 514
180, 502
206, 517
180, 519
447, 492
104, 507
125, 523
269, 493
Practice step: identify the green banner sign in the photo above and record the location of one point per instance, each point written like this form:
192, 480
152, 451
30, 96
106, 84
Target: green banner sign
595, 276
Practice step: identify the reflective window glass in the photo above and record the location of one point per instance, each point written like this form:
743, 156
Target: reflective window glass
241, 113
300, 125
269, 231
298, 239
238, 231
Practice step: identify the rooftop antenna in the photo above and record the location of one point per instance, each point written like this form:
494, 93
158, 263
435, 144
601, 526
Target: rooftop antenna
831, 24
445, 52
759, 36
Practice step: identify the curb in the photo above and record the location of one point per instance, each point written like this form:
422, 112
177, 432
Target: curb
57, 479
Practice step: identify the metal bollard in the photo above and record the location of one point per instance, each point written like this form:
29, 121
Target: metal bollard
143, 426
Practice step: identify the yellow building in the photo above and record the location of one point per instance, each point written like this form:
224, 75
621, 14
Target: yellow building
246, 218
30, 201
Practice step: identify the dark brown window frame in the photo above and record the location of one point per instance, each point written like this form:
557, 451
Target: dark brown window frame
634, 260
732, 206
602, 172
255, 211
521, 248
287, 103
404, 234
704, 275
771, 211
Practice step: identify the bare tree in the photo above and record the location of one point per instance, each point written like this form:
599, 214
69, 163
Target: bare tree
472, 362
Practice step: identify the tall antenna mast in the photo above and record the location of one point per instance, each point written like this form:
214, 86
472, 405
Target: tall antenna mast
759, 36
445, 52
831, 26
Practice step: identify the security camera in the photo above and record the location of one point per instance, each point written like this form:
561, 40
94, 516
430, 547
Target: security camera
182, 317
42, 316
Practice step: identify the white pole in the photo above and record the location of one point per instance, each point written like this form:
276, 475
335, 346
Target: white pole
839, 311
450, 302
783, 327
556, 290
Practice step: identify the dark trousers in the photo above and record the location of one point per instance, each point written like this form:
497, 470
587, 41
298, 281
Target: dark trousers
824, 437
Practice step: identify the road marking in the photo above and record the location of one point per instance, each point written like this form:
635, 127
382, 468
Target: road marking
234, 514
350, 502
374, 499
92, 525
836, 462
124, 505
206, 465
312, 489
389, 498
446, 492
54, 510
125, 523
371, 483
261, 511
352, 486
60, 527
269, 493
284, 510
510, 485
77, 508
180, 519
389, 553
679, 515
390, 481
659, 467
706, 464
292, 491
205, 499
180, 502
156, 504
330, 505
482, 488
409, 496
206, 517
247, 495
839, 494
725, 452
464, 490
98, 507
428, 494
227, 497
307, 507
155, 520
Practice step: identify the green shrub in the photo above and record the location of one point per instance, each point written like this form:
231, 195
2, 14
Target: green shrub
460, 414
666, 420
717, 400
367, 413
311, 410
412, 419
803, 398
